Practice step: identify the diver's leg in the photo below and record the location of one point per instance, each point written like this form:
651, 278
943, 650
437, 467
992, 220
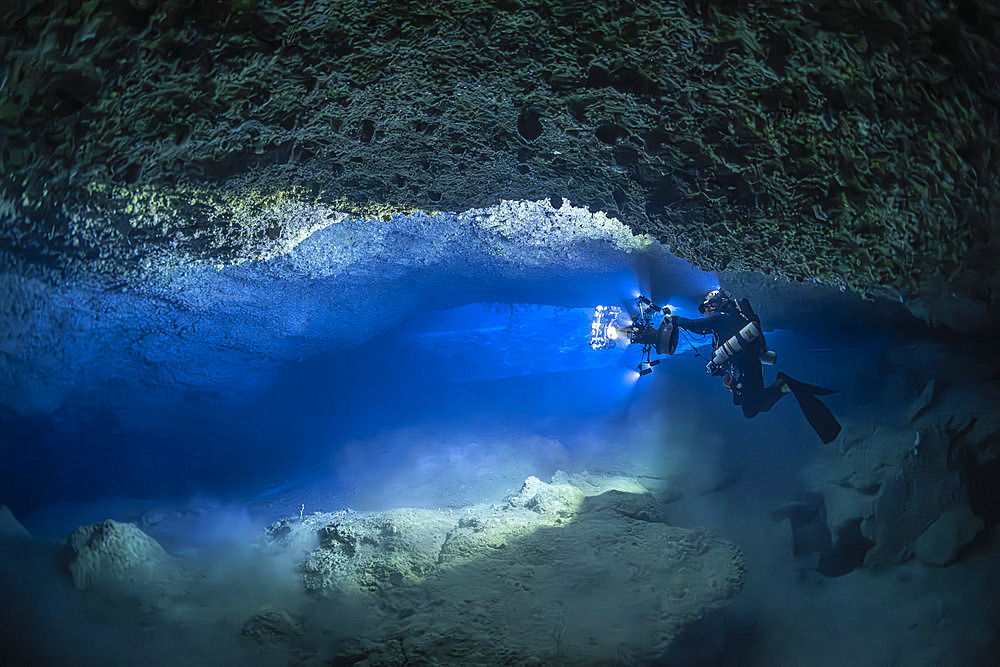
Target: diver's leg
763, 400
756, 397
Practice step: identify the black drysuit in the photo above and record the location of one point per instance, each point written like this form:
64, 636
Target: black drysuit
748, 387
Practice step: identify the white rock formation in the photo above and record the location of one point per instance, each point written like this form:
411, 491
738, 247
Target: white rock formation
550, 575
173, 319
939, 544
111, 553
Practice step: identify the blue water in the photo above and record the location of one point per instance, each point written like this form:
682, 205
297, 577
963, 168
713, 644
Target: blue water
226, 381
483, 367
479, 372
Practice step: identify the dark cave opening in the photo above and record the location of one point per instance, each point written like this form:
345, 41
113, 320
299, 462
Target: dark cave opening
848, 552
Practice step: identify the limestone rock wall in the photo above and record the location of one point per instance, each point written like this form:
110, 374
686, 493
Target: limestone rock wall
917, 489
843, 141
217, 327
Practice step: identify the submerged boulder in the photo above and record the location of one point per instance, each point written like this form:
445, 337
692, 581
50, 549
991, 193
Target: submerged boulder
940, 543
269, 623
916, 487
893, 483
553, 503
110, 553
968, 411
367, 552
551, 574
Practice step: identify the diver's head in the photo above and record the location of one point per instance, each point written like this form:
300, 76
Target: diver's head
715, 301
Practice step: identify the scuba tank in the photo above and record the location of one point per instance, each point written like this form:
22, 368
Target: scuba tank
745, 338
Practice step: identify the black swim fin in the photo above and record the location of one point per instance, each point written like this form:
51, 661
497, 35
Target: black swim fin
818, 415
795, 385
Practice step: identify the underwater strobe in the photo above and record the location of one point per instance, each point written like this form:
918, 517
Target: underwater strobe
611, 327
604, 328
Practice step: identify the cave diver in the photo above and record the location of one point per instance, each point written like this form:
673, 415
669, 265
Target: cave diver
740, 349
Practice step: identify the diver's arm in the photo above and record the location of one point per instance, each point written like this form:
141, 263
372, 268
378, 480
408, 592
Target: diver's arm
712, 324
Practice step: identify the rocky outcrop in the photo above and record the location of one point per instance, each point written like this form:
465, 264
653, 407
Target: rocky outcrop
551, 574
370, 552
939, 544
270, 623
111, 553
915, 489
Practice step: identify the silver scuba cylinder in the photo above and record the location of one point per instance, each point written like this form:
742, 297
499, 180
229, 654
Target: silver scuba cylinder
745, 337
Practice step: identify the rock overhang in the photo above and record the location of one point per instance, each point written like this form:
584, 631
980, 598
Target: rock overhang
177, 321
851, 146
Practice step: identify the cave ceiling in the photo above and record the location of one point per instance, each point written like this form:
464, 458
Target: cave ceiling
850, 143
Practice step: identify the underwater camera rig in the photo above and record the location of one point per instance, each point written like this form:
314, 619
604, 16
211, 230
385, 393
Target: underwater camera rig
611, 328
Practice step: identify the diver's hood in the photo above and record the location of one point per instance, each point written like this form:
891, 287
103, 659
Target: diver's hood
715, 298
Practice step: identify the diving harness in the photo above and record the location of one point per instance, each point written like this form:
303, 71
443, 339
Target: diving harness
749, 339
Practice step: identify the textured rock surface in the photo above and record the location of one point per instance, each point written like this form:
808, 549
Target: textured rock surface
848, 142
552, 574
370, 552
912, 486
269, 623
110, 553
939, 544
347, 281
